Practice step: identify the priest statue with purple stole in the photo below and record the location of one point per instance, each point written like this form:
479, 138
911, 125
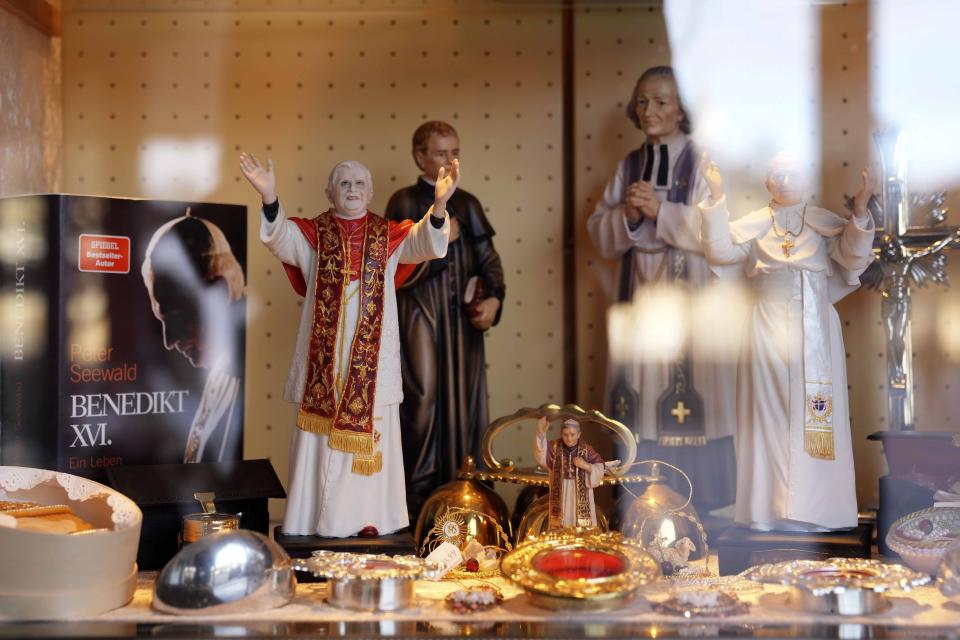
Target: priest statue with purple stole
681, 411
346, 459
794, 449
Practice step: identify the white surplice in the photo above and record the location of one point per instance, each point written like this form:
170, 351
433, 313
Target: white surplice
792, 343
677, 226
324, 497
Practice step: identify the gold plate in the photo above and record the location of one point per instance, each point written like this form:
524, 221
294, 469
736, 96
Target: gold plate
577, 569
366, 566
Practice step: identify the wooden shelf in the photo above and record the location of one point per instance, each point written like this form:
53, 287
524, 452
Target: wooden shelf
39, 14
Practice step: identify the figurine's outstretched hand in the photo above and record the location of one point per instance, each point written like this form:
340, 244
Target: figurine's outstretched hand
711, 176
262, 178
446, 185
610, 464
863, 195
542, 425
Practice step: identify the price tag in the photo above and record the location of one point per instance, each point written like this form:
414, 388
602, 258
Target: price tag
447, 555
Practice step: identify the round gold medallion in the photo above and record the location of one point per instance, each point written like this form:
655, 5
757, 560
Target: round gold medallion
449, 526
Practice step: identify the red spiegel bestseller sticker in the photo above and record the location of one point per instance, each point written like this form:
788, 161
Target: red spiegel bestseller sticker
104, 254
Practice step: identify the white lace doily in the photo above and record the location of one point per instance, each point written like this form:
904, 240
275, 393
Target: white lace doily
125, 513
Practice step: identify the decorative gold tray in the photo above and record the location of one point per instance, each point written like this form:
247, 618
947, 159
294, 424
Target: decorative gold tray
578, 570
838, 574
843, 586
922, 538
365, 566
368, 582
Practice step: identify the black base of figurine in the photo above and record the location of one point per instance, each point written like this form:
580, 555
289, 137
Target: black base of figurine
739, 547
395, 544
715, 526
898, 497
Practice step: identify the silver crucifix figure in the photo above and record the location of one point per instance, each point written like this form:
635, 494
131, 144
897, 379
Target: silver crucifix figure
909, 254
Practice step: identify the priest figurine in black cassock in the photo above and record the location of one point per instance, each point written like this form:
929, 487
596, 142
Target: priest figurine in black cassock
684, 411
444, 309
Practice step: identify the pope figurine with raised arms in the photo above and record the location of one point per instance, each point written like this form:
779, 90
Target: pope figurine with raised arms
794, 449
576, 469
346, 462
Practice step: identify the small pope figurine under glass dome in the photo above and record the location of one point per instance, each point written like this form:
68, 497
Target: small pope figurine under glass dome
575, 470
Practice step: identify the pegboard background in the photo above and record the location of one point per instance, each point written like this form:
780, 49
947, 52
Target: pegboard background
158, 96
191, 89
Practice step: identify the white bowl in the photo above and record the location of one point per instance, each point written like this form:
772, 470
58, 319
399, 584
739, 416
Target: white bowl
48, 576
920, 549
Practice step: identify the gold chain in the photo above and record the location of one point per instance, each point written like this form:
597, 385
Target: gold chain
787, 232
787, 246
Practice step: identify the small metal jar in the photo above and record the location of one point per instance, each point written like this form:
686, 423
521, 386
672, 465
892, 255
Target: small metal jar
199, 525
366, 582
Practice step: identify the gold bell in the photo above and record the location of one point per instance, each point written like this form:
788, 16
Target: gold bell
536, 520
660, 512
461, 510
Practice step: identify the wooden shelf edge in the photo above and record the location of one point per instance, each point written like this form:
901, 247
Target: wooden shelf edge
39, 14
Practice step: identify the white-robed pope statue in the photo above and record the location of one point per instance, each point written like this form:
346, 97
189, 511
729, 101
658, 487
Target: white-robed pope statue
794, 453
346, 462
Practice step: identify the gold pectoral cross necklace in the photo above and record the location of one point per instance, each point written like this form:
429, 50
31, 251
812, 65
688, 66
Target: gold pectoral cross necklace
788, 245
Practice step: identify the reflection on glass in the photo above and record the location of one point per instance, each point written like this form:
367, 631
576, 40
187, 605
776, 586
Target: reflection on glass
196, 287
190, 167
749, 75
662, 383
914, 82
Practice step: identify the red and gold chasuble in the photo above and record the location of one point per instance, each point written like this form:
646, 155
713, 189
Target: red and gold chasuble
560, 463
346, 250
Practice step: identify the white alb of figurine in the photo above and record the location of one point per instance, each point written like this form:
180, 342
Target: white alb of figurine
794, 453
346, 463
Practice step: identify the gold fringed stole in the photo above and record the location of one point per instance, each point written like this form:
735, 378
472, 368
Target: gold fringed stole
818, 436
818, 422
558, 472
347, 420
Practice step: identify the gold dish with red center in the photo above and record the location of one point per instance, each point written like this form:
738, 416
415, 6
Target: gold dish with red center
579, 569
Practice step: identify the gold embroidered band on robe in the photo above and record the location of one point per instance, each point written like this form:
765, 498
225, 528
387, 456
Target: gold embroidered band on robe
346, 416
562, 467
